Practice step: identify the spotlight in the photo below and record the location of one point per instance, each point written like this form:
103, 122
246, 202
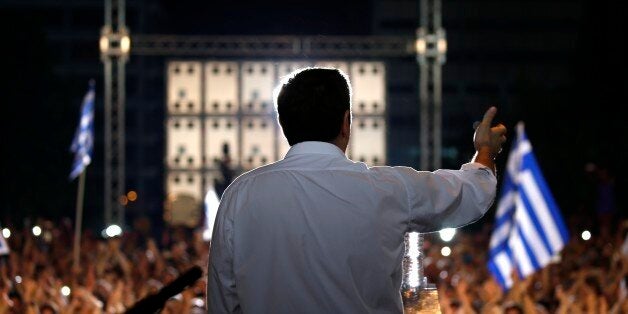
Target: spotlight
131, 195
113, 230
65, 291
420, 45
36, 231
104, 44
586, 235
441, 45
125, 44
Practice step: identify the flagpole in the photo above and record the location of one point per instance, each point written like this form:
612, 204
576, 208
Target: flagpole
78, 220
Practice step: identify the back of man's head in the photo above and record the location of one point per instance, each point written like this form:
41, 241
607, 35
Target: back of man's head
311, 104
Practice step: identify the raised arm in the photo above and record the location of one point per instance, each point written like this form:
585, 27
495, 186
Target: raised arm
453, 198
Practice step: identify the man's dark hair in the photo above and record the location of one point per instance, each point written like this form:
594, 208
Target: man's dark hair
311, 104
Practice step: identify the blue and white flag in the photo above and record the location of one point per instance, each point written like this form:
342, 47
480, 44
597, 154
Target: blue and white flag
83, 142
4, 247
529, 230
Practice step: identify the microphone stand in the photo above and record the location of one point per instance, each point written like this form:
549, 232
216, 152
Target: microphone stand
155, 302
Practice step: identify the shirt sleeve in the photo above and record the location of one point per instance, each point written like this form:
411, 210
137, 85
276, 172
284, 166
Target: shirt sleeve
447, 198
222, 296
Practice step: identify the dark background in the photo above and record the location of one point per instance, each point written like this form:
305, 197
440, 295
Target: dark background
560, 66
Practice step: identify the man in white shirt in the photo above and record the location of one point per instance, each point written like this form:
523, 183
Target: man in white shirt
319, 233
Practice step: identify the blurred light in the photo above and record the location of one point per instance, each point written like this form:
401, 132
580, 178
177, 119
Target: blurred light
36, 231
455, 279
113, 230
104, 44
420, 46
18, 279
207, 235
443, 274
132, 196
123, 200
427, 261
198, 302
586, 235
125, 44
65, 290
445, 251
447, 234
6, 233
441, 45
442, 263
47, 236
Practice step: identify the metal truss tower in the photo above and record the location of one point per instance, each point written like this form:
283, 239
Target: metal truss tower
114, 50
430, 49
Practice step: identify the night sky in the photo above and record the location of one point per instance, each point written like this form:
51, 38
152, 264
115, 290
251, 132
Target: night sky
577, 123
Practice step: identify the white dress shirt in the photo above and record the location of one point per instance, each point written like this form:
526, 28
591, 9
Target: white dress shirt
319, 233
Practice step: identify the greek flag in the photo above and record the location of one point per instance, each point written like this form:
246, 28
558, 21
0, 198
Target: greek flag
529, 230
4, 247
83, 142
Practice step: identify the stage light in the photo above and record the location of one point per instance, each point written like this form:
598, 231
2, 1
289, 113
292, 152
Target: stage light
113, 230
441, 45
445, 251
586, 235
125, 44
65, 291
104, 44
18, 279
6, 233
132, 196
36, 231
447, 234
420, 46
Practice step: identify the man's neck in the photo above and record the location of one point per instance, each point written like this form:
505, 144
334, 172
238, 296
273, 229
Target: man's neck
340, 143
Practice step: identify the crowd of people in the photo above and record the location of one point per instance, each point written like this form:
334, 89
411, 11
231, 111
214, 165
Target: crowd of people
589, 276
114, 273
37, 276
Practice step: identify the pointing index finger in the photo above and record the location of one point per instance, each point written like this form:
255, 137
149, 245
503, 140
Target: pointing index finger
489, 115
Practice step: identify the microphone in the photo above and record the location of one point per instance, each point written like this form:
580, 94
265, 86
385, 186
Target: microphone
152, 303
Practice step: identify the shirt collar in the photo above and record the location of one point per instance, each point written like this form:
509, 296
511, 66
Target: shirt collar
314, 148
